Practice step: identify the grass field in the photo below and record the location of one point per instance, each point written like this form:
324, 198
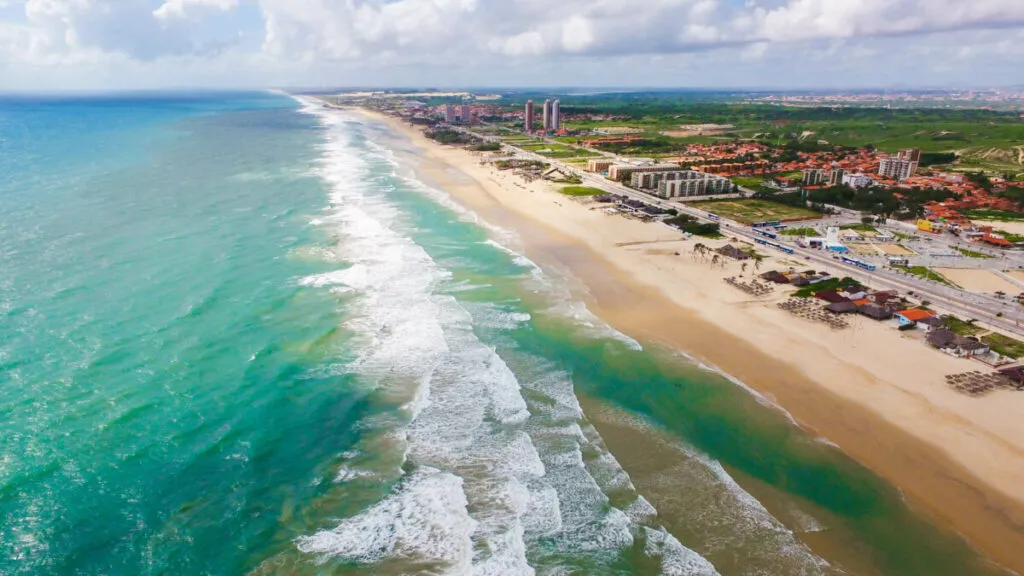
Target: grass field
927, 274
800, 232
748, 181
1004, 345
581, 191
972, 253
749, 211
999, 215
961, 327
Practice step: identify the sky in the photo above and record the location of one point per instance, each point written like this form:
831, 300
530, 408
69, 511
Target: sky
49, 45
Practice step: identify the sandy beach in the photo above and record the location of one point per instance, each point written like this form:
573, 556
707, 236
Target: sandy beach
877, 393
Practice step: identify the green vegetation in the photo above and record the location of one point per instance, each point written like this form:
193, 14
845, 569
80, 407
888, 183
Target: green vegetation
859, 228
581, 191
972, 253
833, 284
962, 328
927, 274
691, 225
451, 137
937, 158
902, 236
1010, 236
487, 147
999, 215
880, 201
1004, 345
799, 232
753, 182
752, 210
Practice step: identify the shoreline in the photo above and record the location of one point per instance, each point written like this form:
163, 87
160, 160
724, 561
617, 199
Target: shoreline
876, 394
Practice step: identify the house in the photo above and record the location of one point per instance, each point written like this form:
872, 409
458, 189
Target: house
884, 296
861, 302
842, 308
913, 316
1014, 374
733, 252
775, 276
875, 312
931, 324
955, 345
831, 296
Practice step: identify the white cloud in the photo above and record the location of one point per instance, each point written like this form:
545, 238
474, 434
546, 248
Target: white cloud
439, 41
177, 8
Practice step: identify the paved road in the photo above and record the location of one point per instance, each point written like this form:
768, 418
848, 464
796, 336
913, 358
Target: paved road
968, 305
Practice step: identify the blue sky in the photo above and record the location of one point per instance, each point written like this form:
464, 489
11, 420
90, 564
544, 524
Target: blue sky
128, 44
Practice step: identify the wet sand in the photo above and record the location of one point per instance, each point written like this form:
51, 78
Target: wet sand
988, 513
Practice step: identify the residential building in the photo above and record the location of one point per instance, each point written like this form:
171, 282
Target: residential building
835, 177
621, 172
902, 166
599, 165
466, 115
529, 118
547, 115
857, 180
650, 180
449, 113
555, 116
690, 183
813, 177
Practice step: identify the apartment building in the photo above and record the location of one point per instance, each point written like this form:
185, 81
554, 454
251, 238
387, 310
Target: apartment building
902, 166
835, 177
623, 172
650, 180
599, 165
692, 183
813, 177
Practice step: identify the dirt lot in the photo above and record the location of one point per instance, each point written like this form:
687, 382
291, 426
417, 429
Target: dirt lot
978, 280
895, 250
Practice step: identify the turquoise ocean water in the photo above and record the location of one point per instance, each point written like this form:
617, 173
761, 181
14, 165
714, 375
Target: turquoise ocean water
239, 336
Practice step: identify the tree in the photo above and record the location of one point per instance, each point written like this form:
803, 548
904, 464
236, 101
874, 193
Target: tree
867, 220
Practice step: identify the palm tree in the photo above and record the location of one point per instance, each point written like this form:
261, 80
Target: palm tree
757, 265
715, 260
743, 268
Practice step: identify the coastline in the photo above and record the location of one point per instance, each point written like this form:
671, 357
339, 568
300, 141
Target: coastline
876, 393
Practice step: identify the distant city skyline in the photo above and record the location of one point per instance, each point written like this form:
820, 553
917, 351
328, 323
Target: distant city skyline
714, 44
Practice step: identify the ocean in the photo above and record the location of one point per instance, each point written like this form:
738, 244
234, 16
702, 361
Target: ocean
240, 334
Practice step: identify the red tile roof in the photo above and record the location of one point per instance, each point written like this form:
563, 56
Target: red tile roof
916, 314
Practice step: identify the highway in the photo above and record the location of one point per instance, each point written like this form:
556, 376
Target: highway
1004, 314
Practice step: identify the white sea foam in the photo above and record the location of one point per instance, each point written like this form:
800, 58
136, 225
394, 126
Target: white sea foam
488, 477
425, 519
676, 559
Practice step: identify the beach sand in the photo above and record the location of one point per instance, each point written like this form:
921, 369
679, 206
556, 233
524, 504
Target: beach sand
979, 280
879, 394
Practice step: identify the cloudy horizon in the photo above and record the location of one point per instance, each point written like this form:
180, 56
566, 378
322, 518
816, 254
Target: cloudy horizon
49, 45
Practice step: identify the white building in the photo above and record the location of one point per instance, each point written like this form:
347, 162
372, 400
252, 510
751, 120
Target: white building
555, 116
547, 115
857, 180
622, 172
689, 183
466, 116
813, 177
902, 166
